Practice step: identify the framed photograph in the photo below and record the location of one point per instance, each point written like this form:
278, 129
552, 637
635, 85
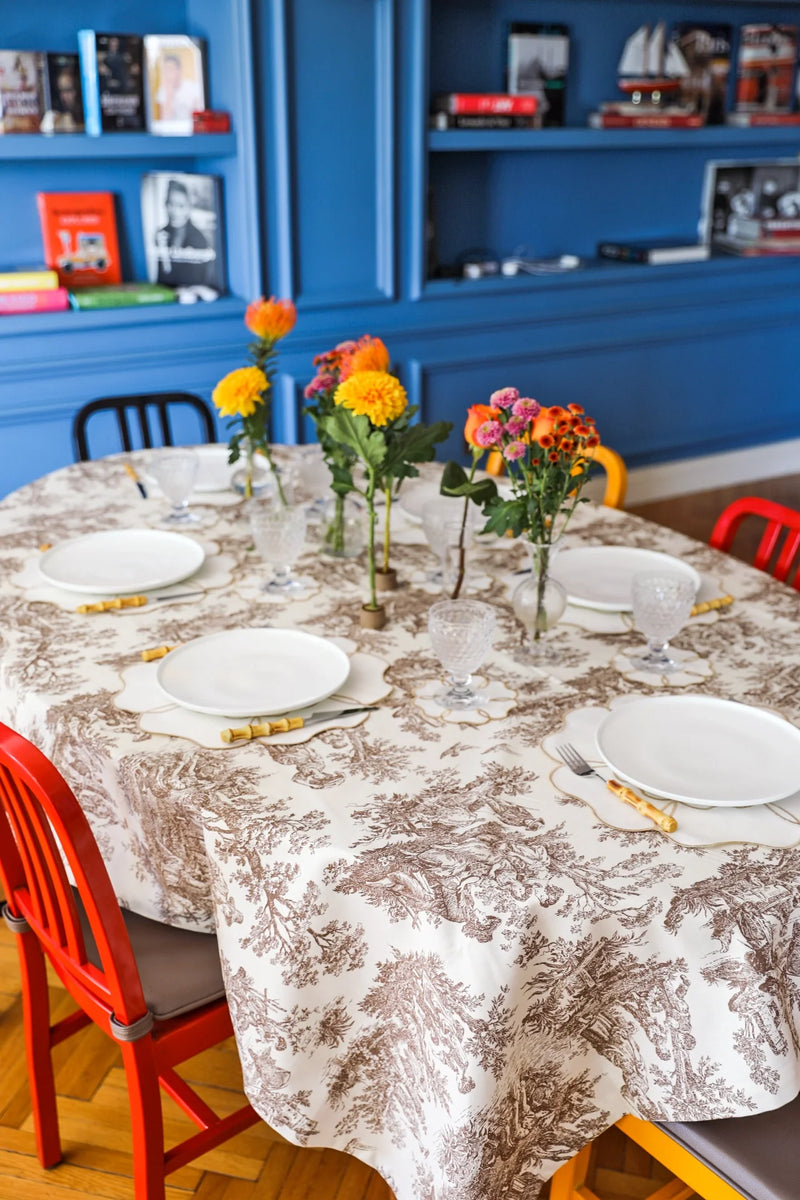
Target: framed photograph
739, 196
182, 227
538, 60
175, 69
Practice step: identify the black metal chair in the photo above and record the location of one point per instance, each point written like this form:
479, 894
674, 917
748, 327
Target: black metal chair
142, 409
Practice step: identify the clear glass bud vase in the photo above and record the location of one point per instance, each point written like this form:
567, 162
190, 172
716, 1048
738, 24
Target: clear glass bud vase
345, 528
539, 602
253, 477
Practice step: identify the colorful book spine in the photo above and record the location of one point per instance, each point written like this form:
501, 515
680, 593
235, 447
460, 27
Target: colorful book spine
443, 120
90, 85
606, 120
122, 296
28, 281
751, 120
47, 300
485, 102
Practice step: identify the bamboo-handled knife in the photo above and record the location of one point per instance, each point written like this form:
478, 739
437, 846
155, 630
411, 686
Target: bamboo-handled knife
286, 724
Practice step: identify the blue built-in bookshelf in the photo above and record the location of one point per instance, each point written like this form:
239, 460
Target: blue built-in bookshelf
338, 195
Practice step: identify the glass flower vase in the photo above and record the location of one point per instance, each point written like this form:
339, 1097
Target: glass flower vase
344, 525
539, 602
253, 477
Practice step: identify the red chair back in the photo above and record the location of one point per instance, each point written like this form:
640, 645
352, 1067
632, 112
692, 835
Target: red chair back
780, 520
39, 814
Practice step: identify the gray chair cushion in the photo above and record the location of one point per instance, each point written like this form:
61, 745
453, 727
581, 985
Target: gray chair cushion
756, 1155
179, 969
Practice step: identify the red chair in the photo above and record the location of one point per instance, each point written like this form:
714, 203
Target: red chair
779, 518
156, 990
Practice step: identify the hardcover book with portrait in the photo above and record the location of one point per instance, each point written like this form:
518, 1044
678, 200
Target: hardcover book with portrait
765, 68
79, 231
538, 60
63, 99
112, 78
183, 233
21, 99
175, 72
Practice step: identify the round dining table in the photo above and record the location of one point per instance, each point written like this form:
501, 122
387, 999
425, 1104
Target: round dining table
444, 952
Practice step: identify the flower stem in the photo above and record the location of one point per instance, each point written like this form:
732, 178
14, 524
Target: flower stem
387, 491
373, 595
461, 534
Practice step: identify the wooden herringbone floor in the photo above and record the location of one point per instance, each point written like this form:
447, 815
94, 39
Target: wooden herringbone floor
258, 1164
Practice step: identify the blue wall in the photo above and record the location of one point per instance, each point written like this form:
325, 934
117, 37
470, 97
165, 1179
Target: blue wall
327, 175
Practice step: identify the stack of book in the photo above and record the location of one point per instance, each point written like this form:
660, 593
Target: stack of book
36, 290
483, 110
755, 237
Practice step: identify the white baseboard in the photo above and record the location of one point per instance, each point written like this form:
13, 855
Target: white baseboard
688, 475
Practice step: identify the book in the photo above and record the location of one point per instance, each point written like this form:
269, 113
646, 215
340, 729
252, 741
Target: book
175, 72
21, 96
211, 120
33, 280
754, 227
63, 99
749, 120
763, 190
182, 227
655, 252
484, 102
757, 247
645, 120
765, 68
44, 300
538, 61
706, 50
443, 120
111, 77
121, 295
79, 231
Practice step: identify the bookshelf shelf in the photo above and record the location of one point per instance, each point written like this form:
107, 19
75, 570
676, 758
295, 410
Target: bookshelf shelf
79, 146
549, 140
131, 317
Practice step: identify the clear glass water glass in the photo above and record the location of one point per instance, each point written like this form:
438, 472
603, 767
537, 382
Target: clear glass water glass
461, 632
175, 472
662, 604
441, 522
279, 534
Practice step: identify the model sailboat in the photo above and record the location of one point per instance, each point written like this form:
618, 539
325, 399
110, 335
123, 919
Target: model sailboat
651, 69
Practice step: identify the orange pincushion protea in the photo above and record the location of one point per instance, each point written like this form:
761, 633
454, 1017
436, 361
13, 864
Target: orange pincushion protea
240, 392
375, 394
270, 319
368, 354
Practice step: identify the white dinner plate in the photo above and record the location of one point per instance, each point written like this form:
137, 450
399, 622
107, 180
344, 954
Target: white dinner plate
415, 494
253, 672
702, 750
601, 577
213, 473
122, 560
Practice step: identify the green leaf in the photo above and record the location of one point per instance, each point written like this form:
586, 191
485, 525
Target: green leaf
413, 444
453, 477
502, 515
455, 482
354, 430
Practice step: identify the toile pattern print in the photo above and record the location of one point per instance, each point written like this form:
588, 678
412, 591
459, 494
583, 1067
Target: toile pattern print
435, 959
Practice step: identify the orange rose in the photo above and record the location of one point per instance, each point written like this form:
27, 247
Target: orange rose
270, 319
477, 415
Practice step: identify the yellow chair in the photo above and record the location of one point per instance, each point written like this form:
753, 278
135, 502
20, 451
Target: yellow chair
612, 463
735, 1158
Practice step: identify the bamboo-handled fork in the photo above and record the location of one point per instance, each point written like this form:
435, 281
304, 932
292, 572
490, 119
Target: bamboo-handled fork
578, 764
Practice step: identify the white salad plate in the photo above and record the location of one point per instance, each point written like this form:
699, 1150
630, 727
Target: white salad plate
122, 560
252, 672
213, 472
702, 750
601, 577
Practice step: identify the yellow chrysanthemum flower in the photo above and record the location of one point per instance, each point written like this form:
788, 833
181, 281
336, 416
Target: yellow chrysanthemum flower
240, 392
270, 319
375, 394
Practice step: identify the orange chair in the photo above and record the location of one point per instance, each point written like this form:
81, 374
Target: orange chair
736, 1158
156, 990
779, 518
612, 462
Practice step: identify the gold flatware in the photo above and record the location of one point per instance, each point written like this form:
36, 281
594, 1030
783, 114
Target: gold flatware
131, 602
286, 724
156, 652
708, 605
579, 766
130, 471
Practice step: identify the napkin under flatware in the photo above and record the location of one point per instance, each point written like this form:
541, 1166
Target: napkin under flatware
286, 724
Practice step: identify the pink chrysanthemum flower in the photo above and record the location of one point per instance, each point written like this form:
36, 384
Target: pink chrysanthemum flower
514, 450
527, 409
489, 434
515, 426
504, 397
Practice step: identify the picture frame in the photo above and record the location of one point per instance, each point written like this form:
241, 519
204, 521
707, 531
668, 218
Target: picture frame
176, 86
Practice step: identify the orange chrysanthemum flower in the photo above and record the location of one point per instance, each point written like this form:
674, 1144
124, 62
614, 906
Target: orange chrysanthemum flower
375, 394
575, 408
369, 354
240, 392
270, 319
546, 440
542, 426
478, 415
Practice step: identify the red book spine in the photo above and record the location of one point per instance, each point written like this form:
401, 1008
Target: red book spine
620, 121
51, 300
751, 120
487, 102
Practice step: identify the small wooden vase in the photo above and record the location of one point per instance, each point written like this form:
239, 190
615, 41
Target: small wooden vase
373, 618
386, 581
